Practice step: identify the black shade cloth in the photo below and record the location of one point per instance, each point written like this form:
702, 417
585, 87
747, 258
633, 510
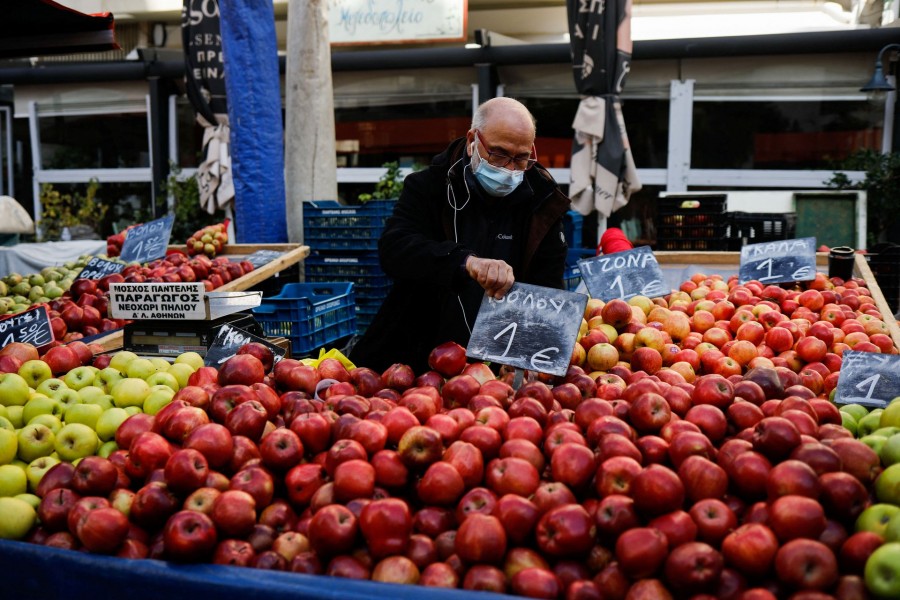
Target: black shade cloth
41, 27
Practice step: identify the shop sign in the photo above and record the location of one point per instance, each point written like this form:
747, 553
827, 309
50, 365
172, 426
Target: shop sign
157, 301
353, 22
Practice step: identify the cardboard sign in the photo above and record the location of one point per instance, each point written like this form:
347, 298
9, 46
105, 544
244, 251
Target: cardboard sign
778, 262
161, 301
147, 241
263, 257
532, 328
228, 341
624, 275
868, 378
98, 268
30, 327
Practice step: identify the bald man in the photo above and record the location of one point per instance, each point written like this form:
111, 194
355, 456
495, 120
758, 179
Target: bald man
483, 215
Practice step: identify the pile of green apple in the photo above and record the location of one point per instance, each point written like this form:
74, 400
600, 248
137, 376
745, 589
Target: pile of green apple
19, 292
47, 419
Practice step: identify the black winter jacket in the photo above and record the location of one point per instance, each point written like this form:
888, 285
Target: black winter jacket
425, 244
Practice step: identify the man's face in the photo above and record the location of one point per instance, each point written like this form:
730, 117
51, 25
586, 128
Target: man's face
503, 138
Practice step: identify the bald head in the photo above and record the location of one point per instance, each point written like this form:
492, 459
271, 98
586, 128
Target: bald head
511, 112
503, 125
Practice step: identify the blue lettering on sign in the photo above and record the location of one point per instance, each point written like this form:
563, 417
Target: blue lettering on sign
387, 20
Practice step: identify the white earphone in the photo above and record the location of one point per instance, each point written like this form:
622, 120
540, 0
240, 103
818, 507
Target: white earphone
456, 209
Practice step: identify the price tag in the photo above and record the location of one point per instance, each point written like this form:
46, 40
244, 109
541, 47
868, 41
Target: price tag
147, 241
30, 327
532, 328
778, 262
624, 275
228, 341
868, 378
263, 257
98, 268
157, 301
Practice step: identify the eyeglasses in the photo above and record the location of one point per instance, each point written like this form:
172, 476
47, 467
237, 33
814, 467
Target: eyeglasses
499, 159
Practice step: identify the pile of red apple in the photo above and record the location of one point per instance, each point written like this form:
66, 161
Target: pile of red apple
705, 461
83, 310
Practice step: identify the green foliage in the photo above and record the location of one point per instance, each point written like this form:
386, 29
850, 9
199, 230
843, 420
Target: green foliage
389, 186
189, 215
882, 185
61, 210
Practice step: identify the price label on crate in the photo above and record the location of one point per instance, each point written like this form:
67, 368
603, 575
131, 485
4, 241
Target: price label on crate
98, 268
531, 327
779, 261
624, 275
228, 340
868, 378
263, 257
147, 241
30, 327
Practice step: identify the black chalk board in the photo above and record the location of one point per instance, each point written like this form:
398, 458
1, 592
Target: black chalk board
227, 342
30, 327
98, 268
532, 328
868, 378
623, 275
779, 261
263, 257
147, 241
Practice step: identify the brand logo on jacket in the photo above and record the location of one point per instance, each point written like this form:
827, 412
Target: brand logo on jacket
504, 236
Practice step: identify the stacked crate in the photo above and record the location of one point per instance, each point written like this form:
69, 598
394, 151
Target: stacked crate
343, 241
755, 228
698, 223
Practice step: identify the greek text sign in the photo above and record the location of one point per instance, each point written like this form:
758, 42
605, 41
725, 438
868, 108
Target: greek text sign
396, 21
165, 301
623, 275
30, 327
779, 261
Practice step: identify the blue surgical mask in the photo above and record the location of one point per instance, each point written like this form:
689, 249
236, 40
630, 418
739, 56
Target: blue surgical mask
496, 181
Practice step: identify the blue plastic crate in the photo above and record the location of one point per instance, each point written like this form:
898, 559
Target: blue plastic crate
328, 225
572, 277
363, 270
573, 223
310, 315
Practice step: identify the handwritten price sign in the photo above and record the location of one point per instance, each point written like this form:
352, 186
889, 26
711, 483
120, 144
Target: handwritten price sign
869, 379
148, 241
30, 327
97, 268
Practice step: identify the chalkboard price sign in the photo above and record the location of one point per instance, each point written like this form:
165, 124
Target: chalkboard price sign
779, 261
30, 327
147, 241
624, 275
263, 257
868, 378
228, 341
98, 268
531, 327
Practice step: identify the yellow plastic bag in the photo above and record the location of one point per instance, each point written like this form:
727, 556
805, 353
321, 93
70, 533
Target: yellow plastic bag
332, 353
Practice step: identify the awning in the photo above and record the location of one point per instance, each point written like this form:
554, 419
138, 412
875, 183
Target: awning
40, 27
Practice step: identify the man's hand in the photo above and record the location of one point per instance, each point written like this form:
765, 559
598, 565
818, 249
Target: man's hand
495, 276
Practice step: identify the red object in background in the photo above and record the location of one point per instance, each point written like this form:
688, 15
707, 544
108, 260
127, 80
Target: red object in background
613, 240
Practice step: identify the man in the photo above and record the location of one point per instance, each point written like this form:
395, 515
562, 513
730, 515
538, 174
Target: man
480, 217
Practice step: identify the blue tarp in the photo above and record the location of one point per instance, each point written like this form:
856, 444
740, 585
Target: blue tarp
37, 572
254, 112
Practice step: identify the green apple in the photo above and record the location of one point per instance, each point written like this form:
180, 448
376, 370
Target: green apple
890, 451
41, 405
869, 423
892, 531
76, 440
190, 358
120, 360
36, 279
9, 446
848, 422
12, 480
140, 368
890, 416
34, 372
132, 410
17, 517
79, 377
159, 396
14, 415
14, 389
876, 517
35, 441
105, 401
84, 413
89, 392
886, 431
181, 372
875, 442
51, 421
31, 499
131, 391
5, 423
161, 363
107, 448
107, 378
887, 486
109, 422
881, 575
163, 378
3, 410
67, 398
35, 470
48, 387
